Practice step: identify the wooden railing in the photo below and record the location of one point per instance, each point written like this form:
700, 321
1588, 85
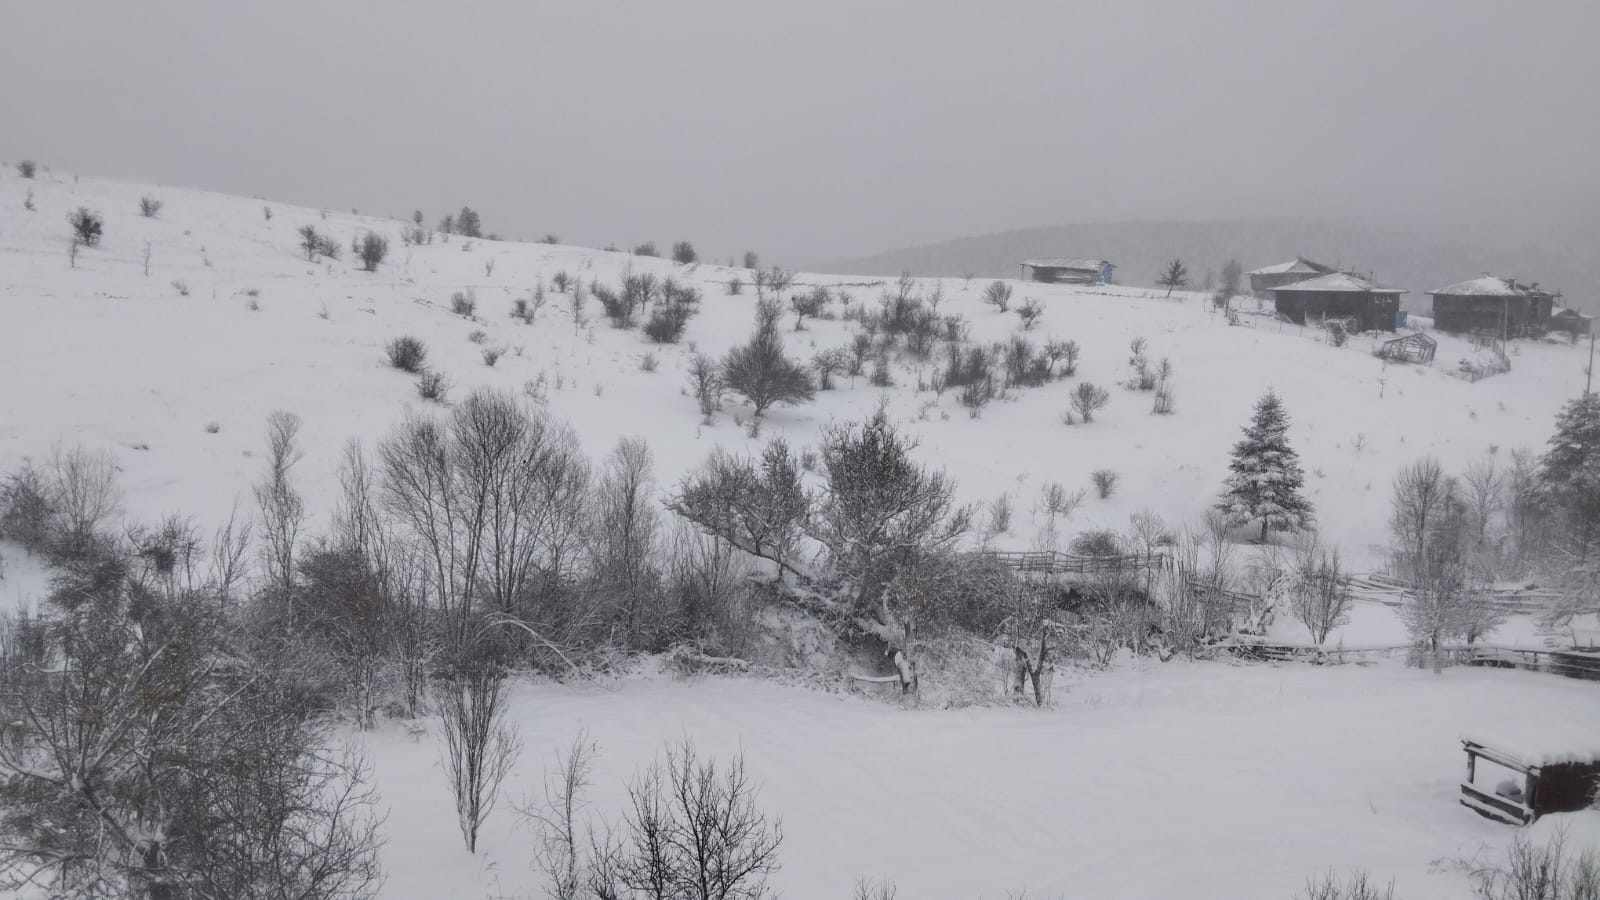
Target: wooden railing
1052, 562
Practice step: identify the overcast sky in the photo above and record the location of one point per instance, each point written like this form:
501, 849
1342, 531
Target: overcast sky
823, 128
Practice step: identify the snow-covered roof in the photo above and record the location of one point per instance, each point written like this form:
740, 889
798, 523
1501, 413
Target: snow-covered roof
1489, 286
1340, 282
1552, 743
1067, 262
1298, 264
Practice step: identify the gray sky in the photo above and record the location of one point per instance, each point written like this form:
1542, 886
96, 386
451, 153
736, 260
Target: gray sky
823, 128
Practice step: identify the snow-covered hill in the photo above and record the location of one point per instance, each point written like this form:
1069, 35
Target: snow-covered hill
1117, 792
105, 355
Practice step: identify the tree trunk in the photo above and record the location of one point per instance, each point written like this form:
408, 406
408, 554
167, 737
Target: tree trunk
1263, 531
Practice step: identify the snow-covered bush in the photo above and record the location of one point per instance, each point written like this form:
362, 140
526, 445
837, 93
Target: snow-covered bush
27, 168
491, 355
1105, 482
408, 354
1030, 312
683, 253
667, 322
372, 249
87, 226
149, 207
1089, 398
1356, 886
997, 295
648, 248
433, 385
762, 374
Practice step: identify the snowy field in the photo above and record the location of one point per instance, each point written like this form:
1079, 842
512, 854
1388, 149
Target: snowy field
1172, 781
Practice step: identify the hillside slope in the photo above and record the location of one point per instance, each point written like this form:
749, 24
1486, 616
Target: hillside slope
106, 356
1410, 259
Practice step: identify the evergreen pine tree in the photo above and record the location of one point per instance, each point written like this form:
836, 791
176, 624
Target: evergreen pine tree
1266, 476
1569, 473
1176, 276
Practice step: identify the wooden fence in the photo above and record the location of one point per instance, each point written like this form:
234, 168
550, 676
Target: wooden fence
1052, 562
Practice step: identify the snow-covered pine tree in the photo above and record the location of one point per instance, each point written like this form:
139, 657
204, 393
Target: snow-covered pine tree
1569, 473
1266, 476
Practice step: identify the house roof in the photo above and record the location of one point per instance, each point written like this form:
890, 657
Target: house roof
1339, 282
1065, 262
1569, 314
1490, 286
1298, 264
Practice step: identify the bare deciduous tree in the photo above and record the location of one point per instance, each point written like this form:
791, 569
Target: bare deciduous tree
759, 507
282, 510
480, 747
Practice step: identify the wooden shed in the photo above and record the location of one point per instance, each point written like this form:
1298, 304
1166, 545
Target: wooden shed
1570, 321
1493, 305
1067, 270
1516, 784
1264, 279
1339, 295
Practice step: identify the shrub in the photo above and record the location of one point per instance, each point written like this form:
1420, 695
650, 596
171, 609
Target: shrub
976, 395
829, 364
1088, 398
433, 386
1164, 402
666, 324
1000, 515
1065, 353
149, 207
751, 260
408, 354
464, 303
705, 381
372, 249
491, 355
27, 168
648, 248
468, 224
1023, 366
683, 252
880, 373
760, 372
649, 363
181, 286
86, 226
561, 281
1104, 481
27, 204
1030, 312
998, 295
735, 286
1097, 542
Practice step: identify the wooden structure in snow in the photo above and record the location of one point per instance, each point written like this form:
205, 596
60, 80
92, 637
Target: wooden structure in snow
1417, 348
1528, 782
1068, 270
1339, 294
1051, 562
1570, 321
1493, 305
1264, 279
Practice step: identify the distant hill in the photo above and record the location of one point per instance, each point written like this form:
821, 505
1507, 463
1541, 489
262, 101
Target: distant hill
1415, 261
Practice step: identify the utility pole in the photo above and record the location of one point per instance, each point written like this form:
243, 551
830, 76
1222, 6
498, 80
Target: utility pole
1588, 374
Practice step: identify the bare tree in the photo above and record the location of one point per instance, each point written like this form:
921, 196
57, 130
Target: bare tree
881, 510
760, 507
693, 832
759, 372
480, 747
627, 531
223, 788
1483, 490
282, 510
372, 249
561, 851
1321, 599
1422, 495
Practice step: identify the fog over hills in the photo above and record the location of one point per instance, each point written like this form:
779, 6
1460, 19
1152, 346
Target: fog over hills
1414, 258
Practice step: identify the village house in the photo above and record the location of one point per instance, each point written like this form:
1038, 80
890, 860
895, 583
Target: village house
1068, 271
1264, 279
1339, 295
1493, 305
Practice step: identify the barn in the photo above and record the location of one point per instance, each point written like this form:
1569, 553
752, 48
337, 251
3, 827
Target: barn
1068, 271
1570, 321
1493, 305
1339, 295
1264, 279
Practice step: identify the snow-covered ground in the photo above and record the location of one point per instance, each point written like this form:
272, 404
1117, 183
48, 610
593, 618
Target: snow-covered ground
106, 356
1168, 780
1178, 780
